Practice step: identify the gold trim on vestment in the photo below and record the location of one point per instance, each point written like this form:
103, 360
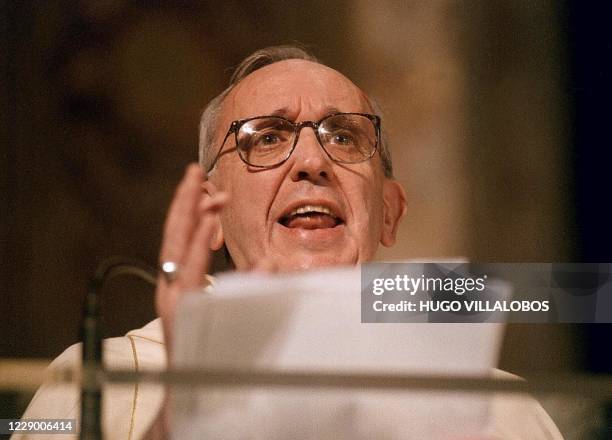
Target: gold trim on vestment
135, 399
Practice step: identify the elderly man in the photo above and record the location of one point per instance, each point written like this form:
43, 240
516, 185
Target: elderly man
294, 174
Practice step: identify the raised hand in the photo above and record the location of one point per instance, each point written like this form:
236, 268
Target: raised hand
191, 226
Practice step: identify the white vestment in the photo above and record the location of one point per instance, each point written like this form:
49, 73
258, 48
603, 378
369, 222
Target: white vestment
129, 410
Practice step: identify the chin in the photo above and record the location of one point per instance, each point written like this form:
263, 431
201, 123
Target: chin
303, 248
304, 261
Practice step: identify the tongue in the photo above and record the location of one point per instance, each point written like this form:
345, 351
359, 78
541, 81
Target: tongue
311, 221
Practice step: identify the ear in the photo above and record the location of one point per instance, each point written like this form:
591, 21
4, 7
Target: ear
208, 190
394, 208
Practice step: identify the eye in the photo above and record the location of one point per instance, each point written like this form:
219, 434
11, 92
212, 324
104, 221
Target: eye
268, 139
342, 138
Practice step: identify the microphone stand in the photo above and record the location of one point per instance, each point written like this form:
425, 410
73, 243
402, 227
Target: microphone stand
91, 390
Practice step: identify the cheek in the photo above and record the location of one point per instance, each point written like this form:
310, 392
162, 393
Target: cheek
375, 217
242, 227
249, 202
368, 208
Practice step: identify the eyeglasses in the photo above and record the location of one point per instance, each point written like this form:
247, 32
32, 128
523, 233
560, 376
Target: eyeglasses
268, 141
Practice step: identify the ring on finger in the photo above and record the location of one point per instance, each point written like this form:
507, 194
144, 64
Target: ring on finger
170, 270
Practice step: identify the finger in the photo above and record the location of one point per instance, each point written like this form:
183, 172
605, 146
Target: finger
208, 209
198, 256
191, 272
197, 260
213, 203
209, 188
181, 218
191, 275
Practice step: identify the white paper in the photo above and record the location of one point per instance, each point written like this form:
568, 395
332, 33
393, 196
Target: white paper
311, 321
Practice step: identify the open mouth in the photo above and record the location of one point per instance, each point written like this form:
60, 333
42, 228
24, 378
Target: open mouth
311, 217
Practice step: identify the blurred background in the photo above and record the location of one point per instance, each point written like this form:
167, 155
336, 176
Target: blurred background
497, 114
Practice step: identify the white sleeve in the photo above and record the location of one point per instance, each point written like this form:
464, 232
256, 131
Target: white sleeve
128, 409
55, 401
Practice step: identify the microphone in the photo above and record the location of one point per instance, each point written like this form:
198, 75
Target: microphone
91, 391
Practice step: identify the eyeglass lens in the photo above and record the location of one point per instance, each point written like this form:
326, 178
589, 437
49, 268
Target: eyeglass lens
268, 141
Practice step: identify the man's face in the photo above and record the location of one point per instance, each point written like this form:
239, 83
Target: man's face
346, 210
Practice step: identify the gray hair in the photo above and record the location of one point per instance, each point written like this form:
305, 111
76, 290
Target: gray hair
255, 61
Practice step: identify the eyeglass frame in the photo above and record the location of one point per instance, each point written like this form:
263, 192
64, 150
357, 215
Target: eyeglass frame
236, 125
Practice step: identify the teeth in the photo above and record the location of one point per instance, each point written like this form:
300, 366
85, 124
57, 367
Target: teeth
306, 209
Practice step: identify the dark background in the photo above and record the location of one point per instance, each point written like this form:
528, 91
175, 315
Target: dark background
589, 43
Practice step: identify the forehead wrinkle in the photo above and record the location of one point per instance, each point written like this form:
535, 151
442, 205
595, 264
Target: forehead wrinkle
316, 86
307, 73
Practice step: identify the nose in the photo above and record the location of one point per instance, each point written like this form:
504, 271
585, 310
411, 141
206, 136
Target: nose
309, 161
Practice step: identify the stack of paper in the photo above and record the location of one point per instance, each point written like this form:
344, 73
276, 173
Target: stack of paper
311, 321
